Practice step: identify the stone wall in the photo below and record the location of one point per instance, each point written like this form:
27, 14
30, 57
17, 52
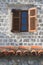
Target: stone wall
22, 38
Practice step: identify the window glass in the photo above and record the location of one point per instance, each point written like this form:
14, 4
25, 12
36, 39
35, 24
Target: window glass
24, 20
24, 14
24, 28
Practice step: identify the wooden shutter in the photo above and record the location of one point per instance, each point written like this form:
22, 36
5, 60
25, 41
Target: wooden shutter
32, 19
15, 21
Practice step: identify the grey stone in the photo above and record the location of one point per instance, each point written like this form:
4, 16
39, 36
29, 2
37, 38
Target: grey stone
26, 40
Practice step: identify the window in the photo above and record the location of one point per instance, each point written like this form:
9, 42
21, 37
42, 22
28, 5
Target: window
24, 20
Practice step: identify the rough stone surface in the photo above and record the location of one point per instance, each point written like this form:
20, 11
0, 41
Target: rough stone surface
23, 38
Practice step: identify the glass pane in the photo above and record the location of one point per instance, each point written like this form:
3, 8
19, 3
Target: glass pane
24, 28
24, 20
24, 14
